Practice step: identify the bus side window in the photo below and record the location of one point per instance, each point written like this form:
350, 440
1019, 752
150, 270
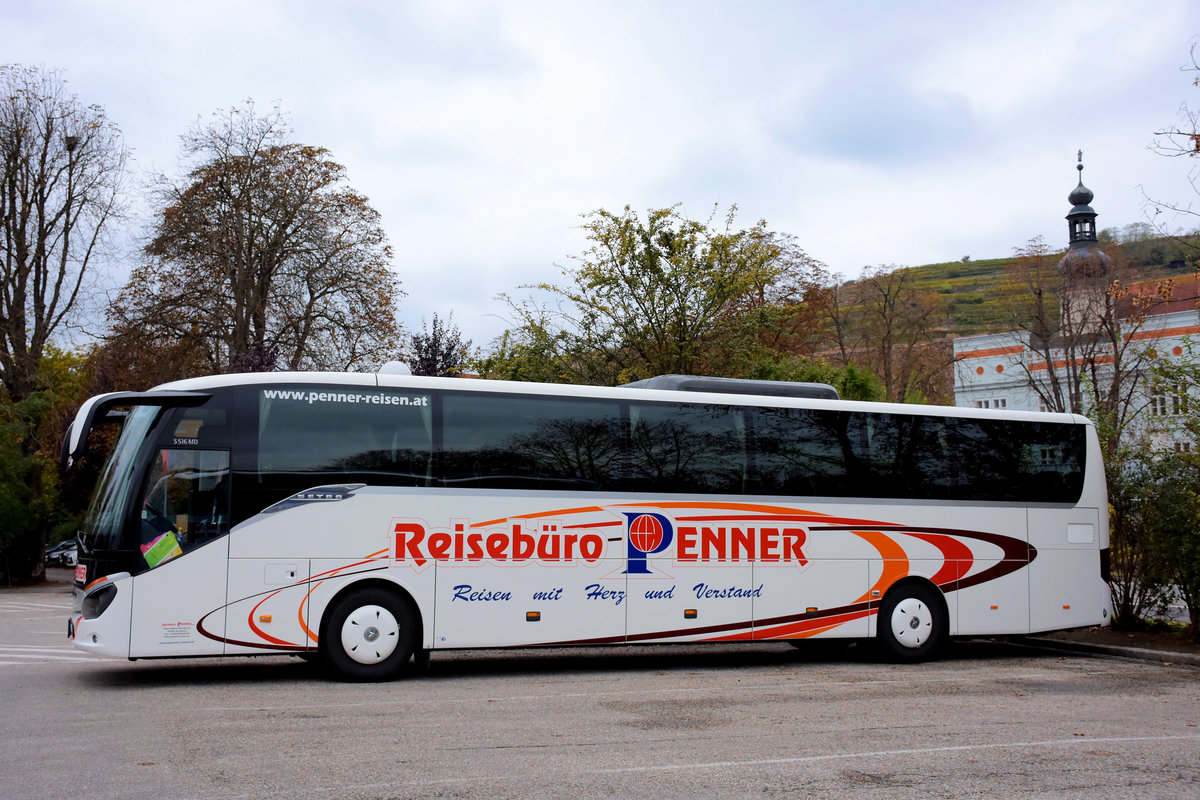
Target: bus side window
494, 441
186, 500
683, 447
799, 451
302, 444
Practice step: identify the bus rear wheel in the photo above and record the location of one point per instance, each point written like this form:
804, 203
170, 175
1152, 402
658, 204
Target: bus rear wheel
369, 635
911, 624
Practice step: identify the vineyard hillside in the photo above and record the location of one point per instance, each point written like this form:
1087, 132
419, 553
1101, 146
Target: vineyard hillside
973, 302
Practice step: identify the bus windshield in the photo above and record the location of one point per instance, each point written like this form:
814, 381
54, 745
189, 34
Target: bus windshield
102, 526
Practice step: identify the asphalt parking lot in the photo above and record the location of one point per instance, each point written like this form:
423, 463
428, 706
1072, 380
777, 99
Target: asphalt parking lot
989, 719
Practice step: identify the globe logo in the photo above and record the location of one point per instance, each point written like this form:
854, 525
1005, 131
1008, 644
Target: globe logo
645, 533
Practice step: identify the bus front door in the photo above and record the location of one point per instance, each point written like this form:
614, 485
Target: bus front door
178, 602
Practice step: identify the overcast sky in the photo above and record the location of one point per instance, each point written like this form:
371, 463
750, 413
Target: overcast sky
874, 132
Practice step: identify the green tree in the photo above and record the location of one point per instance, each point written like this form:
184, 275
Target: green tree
1179, 476
1135, 560
851, 382
22, 501
526, 353
663, 294
264, 257
1175, 496
32, 509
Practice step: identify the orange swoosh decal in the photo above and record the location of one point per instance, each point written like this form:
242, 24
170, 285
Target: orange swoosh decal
895, 561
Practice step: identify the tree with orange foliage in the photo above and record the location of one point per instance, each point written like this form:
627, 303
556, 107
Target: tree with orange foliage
263, 257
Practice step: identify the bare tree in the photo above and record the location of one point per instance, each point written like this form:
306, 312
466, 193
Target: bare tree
1176, 141
831, 301
264, 257
1079, 329
883, 322
63, 167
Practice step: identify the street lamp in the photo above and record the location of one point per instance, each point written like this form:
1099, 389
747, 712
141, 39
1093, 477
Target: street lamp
71, 143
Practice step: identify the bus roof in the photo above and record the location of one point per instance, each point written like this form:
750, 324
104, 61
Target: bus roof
705, 383
422, 383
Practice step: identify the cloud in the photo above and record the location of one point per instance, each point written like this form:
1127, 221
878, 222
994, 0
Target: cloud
880, 119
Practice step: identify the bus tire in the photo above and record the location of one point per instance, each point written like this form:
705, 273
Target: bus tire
369, 635
912, 623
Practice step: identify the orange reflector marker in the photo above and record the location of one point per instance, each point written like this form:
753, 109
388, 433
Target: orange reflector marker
1066, 608
810, 610
690, 613
993, 608
533, 616
264, 617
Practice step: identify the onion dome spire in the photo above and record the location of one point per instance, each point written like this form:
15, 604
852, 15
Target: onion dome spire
1085, 268
1082, 219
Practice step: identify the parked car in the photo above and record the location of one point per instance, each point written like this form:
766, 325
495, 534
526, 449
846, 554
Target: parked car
63, 554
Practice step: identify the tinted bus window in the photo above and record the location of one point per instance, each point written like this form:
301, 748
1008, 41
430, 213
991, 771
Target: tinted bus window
200, 426
308, 436
688, 448
346, 435
531, 442
1035, 462
857, 454
802, 451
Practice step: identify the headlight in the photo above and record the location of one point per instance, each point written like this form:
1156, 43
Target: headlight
95, 602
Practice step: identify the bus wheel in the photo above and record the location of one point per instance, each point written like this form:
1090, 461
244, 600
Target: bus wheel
369, 636
911, 625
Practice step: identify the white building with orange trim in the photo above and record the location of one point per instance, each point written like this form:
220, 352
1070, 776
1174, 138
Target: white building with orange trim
1000, 370
993, 370
989, 372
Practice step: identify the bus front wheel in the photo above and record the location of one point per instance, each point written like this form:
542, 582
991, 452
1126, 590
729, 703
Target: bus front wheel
369, 635
912, 623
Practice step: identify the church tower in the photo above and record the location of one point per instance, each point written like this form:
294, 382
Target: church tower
1085, 269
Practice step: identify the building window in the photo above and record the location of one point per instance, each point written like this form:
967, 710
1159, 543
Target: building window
1183, 447
1163, 404
997, 402
1158, 403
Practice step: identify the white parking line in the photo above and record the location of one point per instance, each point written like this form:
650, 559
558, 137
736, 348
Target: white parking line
41, 648
11, 654
12, 606
697, 766
960, 748
35, 609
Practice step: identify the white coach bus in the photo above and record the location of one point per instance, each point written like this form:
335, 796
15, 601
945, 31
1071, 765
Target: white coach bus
366, 519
